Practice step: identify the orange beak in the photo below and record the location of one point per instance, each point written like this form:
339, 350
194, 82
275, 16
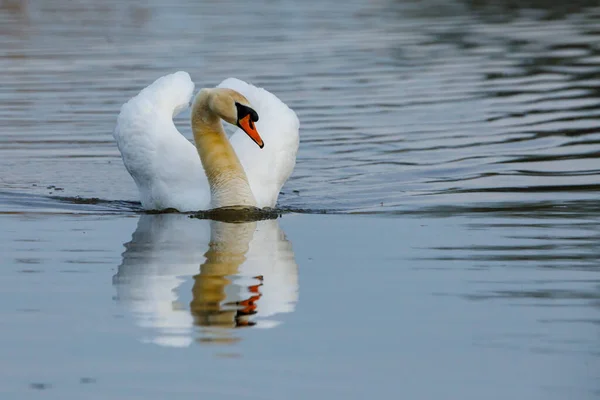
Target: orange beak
248, 126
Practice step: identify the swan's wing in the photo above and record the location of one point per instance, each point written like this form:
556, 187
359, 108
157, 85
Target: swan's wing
268, 168
163, 163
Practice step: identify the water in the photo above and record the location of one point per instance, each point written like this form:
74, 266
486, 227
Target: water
455, 146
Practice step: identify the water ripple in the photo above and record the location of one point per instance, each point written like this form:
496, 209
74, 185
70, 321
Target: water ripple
400, 108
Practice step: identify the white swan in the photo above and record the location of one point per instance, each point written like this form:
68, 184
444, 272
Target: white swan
165, 165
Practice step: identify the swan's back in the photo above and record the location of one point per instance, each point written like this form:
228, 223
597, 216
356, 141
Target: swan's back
163, 163
269, 168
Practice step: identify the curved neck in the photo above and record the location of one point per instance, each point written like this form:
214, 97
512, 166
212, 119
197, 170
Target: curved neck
226, 176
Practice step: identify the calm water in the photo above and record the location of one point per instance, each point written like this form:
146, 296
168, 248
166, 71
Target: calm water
454, 147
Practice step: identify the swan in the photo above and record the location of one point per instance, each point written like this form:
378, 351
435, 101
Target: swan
249, 169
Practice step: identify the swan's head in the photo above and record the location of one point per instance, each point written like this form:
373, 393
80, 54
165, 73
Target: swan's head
234, 108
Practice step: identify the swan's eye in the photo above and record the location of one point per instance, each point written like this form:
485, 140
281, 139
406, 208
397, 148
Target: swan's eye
243, 111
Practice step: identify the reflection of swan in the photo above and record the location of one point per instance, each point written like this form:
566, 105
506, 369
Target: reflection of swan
236, 275
165, 165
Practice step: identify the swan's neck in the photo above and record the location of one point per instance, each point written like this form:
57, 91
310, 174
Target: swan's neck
226, 176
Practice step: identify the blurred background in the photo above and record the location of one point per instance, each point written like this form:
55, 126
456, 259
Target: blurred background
455, 143
405, 103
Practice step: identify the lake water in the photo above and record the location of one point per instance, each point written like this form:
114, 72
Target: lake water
440, 235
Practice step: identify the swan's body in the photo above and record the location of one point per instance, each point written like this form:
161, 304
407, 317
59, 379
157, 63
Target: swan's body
166, 167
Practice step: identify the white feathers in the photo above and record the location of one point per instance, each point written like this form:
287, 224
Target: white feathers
269, 168
165, 165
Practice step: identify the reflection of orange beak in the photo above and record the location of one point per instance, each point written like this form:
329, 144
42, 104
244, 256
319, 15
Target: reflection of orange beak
248, 126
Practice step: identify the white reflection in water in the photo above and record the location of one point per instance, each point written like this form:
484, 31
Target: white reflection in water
241, 274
